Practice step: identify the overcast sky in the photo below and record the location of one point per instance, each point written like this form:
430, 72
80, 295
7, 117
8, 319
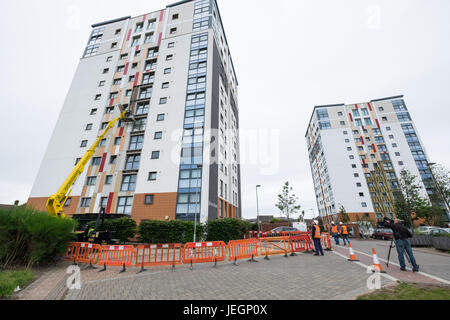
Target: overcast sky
289, 56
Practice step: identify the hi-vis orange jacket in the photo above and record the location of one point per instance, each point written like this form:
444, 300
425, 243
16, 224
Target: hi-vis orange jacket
316, 233
344, 230
334, 229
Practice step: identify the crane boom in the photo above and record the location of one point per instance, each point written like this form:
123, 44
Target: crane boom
55, 203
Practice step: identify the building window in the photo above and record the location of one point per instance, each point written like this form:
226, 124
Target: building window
149, 37
169, 57
117, 141
77, 161
364, 205
152, 176
133, 162
146, 93
135, 41
173, 30
167, 70
89, 127
149, 199
96, 161
151, 24
128, 183
91, 181
171, 45
125, 205
67, 203
361, 194
175, 16
120, 68
158, 135
124, 56
108, 180
163, 100
83, 144
114, 45
93, 111
160, 117
102, 83
97, 97
140, 125
109, 110
155, 155
136, 142
113, 160
85, 202
118, 31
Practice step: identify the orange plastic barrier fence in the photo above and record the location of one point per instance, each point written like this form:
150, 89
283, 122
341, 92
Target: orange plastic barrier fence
242, 249
158, 255
89, 253
326, 241
117, 256
72, 251
300, 243
274, 246
202, 252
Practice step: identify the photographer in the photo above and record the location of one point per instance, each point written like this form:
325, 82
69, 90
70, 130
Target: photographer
401, 235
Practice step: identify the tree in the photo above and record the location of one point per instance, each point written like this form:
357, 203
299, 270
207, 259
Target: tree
431, 214
287, 202
409, 201
343, 215
442, 181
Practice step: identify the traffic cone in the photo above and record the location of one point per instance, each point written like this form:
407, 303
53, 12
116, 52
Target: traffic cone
352, 254
376, 263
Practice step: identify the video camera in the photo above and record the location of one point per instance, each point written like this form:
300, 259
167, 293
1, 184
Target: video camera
386, 221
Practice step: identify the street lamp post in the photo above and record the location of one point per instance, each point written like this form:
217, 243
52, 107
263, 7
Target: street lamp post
199, 206
257, 208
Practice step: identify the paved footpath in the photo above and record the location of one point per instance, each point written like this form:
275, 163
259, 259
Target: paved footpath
434, 267
303, 277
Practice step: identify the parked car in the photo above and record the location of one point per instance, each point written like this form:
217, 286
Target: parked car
383, 234
426, 230
440, 231
283, 229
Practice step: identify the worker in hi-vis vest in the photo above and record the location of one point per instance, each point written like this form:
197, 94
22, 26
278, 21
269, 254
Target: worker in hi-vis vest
344, 233
335, 232
315, 234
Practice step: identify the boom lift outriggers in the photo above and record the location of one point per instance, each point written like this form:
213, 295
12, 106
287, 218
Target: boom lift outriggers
55, 203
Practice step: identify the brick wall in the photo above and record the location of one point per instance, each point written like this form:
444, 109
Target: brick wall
164, 205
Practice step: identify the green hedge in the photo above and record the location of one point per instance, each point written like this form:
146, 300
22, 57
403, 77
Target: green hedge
124, 228
30, 237
227, 229
161, 232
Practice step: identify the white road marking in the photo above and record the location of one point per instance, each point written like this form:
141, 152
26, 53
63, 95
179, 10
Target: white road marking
365, 267
407, 268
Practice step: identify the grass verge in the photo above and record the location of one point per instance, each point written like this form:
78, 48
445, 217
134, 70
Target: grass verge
10, 279
408, 291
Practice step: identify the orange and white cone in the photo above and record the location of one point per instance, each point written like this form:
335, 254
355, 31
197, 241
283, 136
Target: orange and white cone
376, 263
352, 254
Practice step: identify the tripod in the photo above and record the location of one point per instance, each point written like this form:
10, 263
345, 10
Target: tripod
389, 255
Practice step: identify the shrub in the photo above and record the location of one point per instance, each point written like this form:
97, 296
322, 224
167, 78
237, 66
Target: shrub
125, 229
227, 229
160, 232
28, 236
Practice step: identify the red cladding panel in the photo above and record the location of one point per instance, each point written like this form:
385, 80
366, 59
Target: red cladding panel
378, 123
110, 199
126, 69
129, 35
102, 166
121, 132
351, 117
136, 78
159, 39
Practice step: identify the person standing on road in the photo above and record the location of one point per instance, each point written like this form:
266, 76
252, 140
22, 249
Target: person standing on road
344, 233
316, 237
401, 236
335, 232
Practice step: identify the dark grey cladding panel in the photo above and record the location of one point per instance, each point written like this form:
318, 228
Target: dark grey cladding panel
214, 167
